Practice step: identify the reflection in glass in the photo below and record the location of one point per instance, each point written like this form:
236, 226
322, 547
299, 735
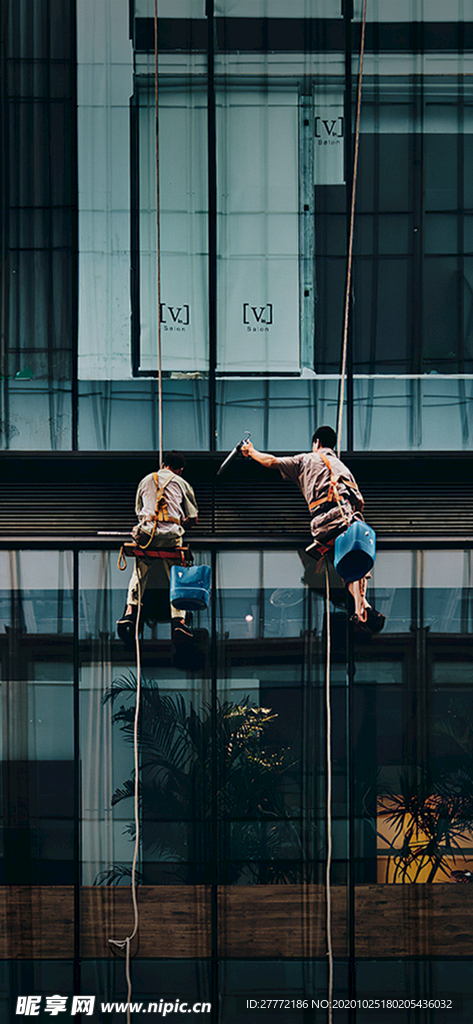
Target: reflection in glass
415, 710
37, 712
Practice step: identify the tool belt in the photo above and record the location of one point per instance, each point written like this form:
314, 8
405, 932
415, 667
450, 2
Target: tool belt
182, 554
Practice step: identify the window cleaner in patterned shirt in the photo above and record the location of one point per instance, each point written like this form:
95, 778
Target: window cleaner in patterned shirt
332, 509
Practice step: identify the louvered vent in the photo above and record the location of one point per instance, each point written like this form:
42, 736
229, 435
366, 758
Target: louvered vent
81, 497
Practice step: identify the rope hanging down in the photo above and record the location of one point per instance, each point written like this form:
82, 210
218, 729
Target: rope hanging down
328, 720
346, 315
158, 238
126, 943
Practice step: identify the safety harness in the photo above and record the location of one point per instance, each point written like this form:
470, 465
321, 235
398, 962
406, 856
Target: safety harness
161, 514
333, 496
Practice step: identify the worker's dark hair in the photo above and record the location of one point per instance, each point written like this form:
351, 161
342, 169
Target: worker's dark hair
174, 460
326, 436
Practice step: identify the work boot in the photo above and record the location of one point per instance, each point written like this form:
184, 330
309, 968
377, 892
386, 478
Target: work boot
126, 625
180, 632
374, 620
373, 623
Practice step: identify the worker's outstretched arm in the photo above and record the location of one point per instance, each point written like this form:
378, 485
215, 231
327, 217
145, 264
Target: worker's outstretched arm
249, 451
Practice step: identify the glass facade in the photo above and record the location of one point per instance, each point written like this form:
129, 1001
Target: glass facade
233, 771
255, 130
255, 112
39, 286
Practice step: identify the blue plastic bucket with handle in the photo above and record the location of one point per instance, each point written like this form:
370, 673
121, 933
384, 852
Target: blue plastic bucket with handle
355, 552
190, 588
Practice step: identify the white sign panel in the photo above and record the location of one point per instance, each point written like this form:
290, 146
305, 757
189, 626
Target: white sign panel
329, 145
259, 315
258, 225
183, 232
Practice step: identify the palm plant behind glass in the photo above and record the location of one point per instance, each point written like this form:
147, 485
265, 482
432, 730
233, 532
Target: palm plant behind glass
429, 814
187, 782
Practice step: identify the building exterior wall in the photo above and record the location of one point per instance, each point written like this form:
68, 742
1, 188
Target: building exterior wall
256, 110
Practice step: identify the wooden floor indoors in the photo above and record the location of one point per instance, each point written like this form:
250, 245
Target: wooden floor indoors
288, 921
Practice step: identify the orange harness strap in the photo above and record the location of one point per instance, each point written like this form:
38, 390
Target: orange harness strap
320, 501
161, 514
333, 496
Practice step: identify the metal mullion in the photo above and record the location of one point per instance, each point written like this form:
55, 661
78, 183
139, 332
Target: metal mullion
374, 259
460, 221
5, 201
53, 400
348, 15
77, 779
214, 822
418, 247
417, 745
74, 241
135, 235
212, 221
310, 714
307, 239
461, 252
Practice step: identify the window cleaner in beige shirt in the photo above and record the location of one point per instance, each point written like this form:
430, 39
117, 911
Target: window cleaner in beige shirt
154, 532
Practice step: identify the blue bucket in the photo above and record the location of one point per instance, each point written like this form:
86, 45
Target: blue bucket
190, 588
355, 552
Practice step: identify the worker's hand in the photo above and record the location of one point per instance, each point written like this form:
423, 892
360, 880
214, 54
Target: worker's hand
247, 449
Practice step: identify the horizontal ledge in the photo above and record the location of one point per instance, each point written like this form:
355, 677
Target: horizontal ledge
312, 375
199, 455
87, 542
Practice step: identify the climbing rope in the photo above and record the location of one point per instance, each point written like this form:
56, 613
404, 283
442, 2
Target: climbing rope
126, 942
158, 238
346, 315
328, 866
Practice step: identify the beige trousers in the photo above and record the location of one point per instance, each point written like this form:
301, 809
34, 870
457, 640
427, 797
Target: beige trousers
156, 567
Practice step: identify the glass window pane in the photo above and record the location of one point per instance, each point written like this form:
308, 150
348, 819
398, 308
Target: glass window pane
183, 226
257, 133
104, 86
38, 771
